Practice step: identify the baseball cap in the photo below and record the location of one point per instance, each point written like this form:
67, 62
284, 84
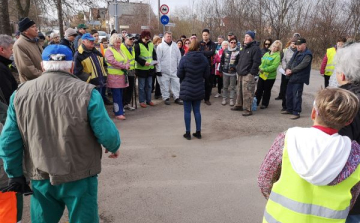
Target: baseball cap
129, 36
82, 26
300, 41
70, 32
56, 52
231, 34
87, 36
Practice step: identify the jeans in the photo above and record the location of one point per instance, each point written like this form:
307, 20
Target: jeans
229, 81
294, 98
195, 105
263, 91
117, 99
145, 89
353, 219
102, 91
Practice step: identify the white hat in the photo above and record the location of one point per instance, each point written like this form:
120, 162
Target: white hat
53, 35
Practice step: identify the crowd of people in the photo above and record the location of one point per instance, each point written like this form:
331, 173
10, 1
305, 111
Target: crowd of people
69, 81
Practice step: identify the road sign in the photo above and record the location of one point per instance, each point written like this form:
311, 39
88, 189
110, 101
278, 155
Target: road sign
170, 24
164, 9
164, 19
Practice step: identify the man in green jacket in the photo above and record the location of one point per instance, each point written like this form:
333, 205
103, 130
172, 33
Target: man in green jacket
58, 123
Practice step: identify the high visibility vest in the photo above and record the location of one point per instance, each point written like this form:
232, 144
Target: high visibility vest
8, 207
118, 57
294, 200
330, 65
145, 54
130, 56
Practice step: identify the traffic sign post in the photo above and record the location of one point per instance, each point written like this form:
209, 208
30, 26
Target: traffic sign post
164, 19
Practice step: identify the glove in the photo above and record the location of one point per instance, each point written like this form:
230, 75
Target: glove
158, 74
19, 185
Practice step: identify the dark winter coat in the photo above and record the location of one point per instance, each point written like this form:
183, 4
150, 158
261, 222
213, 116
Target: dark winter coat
300, 65
7, 81
192, 71
249, 59
69, 44
353, 132
208, 49
141, 61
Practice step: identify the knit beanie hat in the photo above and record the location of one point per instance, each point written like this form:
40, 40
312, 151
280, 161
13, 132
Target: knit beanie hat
250, 33
25, 23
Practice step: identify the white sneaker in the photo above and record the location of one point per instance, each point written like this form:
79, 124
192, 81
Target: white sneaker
231, 102
223, 101
128, 107
217, 95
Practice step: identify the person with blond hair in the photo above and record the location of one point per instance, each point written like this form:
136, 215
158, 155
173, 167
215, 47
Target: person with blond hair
268, 70
312, 174
117, 67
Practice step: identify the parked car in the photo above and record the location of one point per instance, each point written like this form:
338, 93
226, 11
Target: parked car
102, 35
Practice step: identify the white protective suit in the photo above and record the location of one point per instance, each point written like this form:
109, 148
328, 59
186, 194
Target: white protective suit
169, 59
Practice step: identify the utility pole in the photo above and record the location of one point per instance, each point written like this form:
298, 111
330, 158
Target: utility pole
116, 16
158, 15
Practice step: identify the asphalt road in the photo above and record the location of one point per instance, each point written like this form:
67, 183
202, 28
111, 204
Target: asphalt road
162, 177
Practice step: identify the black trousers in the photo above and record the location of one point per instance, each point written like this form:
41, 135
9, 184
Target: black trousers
285, 82
156, 86
208, 86
283, 86
263, 91
128, 92
219, 83
326, 78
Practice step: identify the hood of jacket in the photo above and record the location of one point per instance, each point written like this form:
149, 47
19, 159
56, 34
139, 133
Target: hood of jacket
194, 57
316, 156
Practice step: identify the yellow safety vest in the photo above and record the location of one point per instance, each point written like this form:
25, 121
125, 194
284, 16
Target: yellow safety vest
330, 65
118, 57
130, 56
146, 54
294, 200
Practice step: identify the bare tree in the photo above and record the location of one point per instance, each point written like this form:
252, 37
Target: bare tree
276, 13
5, 27
23, 11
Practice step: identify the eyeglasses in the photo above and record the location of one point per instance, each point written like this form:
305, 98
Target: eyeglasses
233, 42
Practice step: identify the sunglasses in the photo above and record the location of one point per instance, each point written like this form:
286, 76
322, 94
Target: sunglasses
267, 44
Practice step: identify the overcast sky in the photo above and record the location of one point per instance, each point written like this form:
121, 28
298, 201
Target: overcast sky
173, 4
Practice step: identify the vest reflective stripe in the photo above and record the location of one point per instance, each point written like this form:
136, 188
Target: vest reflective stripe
145, 54
269, 219
301, 201
118, 57
330, 65
309, 209
130, 57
